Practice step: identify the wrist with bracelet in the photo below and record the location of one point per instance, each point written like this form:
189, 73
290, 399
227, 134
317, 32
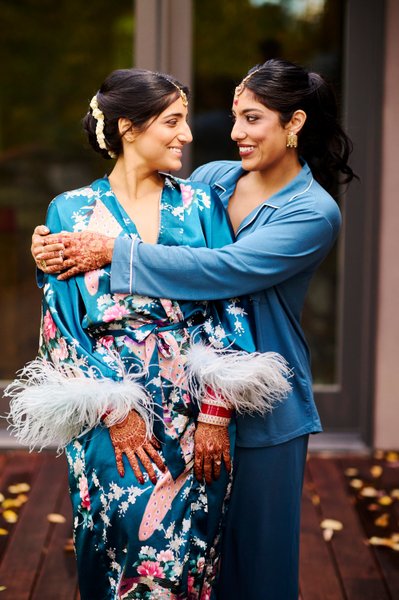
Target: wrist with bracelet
214, 410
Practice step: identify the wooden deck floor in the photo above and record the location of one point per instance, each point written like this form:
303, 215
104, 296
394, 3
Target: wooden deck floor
35, 564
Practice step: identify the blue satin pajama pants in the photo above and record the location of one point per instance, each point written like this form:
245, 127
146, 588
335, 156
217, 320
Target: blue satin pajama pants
260, 555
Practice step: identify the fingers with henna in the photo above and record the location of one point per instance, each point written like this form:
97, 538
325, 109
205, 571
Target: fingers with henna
199, 465
155, 456
147, 464
135, 465
119, 462
217, 467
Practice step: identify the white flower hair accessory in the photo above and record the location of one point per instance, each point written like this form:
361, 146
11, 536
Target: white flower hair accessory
99, 116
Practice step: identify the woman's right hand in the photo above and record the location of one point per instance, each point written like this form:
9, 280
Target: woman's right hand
130, 438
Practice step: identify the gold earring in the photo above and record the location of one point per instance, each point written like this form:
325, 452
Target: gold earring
292, 140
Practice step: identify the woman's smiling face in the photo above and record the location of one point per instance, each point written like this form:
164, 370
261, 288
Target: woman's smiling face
257, 130
160, 145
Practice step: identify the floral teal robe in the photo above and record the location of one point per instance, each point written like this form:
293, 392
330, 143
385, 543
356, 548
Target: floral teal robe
141, 541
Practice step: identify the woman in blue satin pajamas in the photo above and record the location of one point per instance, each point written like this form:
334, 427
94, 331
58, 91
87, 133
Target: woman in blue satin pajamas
292, 150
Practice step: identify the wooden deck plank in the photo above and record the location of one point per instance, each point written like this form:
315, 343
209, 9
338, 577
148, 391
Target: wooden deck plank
35, 565
357, 566
16, 467
319, 579
23, 558
387, 559
57, 578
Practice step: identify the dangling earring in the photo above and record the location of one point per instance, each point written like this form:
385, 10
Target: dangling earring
292, 140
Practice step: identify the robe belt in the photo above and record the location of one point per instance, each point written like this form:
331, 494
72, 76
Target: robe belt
159, 329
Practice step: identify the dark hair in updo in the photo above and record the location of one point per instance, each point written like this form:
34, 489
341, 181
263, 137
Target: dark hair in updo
286, 87
135, 94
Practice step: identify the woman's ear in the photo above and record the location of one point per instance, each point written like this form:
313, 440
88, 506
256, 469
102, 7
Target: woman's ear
126, 129
297, 121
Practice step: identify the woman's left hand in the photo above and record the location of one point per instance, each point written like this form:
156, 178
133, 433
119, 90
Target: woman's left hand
72, 253
212, 446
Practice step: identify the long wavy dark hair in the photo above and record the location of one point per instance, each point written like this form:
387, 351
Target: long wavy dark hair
286, 87
135, 94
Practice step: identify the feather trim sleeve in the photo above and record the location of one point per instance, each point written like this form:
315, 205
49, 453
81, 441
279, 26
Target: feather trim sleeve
68, 389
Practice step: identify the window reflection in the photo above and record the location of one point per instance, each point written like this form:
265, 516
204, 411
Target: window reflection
232, 36
53, 55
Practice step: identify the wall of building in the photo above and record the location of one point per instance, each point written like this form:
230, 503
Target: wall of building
387, 355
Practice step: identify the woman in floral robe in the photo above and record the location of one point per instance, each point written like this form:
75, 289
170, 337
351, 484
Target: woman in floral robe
105, 356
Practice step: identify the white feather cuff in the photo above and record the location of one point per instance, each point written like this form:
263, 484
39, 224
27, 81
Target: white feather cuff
248, 382
53, 404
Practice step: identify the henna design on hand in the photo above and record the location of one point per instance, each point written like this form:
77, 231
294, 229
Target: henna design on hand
130, 437
212, 445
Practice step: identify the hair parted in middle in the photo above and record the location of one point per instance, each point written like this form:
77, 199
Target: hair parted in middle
135, 94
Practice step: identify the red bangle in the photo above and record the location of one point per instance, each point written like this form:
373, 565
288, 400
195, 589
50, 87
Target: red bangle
216, 411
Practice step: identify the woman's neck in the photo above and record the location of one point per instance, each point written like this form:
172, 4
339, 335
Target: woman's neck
134, 182
276, 177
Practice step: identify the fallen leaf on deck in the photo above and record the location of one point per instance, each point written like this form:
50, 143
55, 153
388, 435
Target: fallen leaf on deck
388, 542
327, 534
10, 516
1, 497
395, 494
369, 492
392, 457
356, 483
331, 524
382, 520
3, 531
2, 588
379, 454
19, 488
69, 547
385, 500
373, 507
315, 500
351, 472
376, 471
56, 518
10, 503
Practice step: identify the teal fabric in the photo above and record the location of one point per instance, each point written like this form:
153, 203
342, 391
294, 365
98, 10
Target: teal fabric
278, 247
86, 325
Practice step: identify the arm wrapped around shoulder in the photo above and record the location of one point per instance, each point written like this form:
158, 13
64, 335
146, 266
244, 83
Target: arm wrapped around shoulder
53, 404
248, 382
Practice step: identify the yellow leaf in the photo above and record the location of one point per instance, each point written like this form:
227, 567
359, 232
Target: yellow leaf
395, 494
1, 497
3, 531
351, 472
315, 500
376, 471
392, 457
2, 588
56, 518
10, 516
10, 503
385, 500
382, 520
